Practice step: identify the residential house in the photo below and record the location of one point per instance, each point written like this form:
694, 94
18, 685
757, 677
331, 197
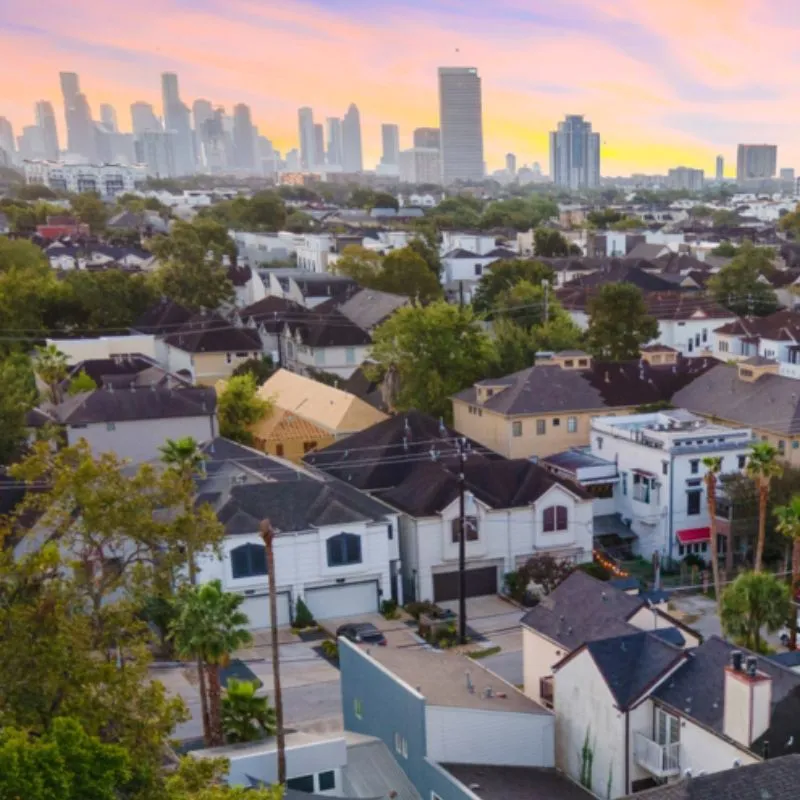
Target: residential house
447, 720
474, 241
160, 320
312, 254
106, 347
68, 256
306, 288
247, 285
336, 548
548, 407
366, 308
308, 415
268, 316
752, 395
208, 348
462, 269
514, 508
259, 249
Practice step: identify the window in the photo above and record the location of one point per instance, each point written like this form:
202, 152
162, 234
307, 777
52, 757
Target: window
358, 708
248, 561
400, 745
667, 728
693, 502
569, 364
795, 444
350, 355
478, 269
572, 424
722, 346
555, 518
583, 362
327, 780
305, 783
540, 427
694, 466
343, 549
111, 426
641, 487
278, 449
516, 429
599, 442
242, 355
689, 345
556, 422
319, 357
705, 334
472, 529
228, 358
624, 483
665, 467
742, 462
781, 446
309, 446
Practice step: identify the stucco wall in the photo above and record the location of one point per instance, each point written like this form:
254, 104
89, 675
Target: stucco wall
539, 655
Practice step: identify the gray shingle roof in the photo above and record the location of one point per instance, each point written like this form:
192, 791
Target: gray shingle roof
516, 783
771, 402
210, 333
369, 307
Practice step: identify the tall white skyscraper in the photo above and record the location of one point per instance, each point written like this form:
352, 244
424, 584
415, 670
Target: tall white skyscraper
352, 159
108, 116
177, 119
756, 161
7, 142
319, 145
31, 143
575, 154
244, 138
461, 124
390, 139
143, 118
46, 120
156, 149
78, 116
305, 121
720, 172
334, 152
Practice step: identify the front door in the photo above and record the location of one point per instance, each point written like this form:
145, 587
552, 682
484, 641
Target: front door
668, 729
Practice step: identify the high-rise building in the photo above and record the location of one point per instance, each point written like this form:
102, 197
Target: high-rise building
80, 127
305, 121
720, 171
511, 164
427, 137
319, 145
334, 154
686, 178
352, 159
7, 142
390, 139
787, 174
202, 110
292, 161
461, 124
575, 154
177, 119
143, 119
108, 116
244, 138
31, 143
46, 120
420, 165
756, 161
156, 150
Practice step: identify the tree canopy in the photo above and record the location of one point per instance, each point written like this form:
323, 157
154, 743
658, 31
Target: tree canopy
239, 407
549, 243
619, 324
740, 285
754, 602
504, 275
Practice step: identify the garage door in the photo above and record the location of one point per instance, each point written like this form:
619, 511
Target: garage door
256, 606
479, 582
342, 600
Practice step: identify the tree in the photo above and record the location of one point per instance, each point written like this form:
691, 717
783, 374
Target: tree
755, 600
790, 223
518, 213
265, 212
210, 626
239, 407
358, 263
605, 218
17, 398
81, 383
626, 224
700, 212
260, 368
548, 243
514, 347
434, 351
725, 249
91, 210
713, 465
425, 247
50, 365
462, 211
298, 222
546, 571
559, 333
524, 304
789, 525
724, 218
619, 324
505, 275
245, 716
214, 237
762, 467
203, 779
64, 763
739, 285
35, 191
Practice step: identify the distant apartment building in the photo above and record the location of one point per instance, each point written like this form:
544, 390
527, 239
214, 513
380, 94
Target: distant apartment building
686, 178
575, 154
720, 171
787, 174
420, 165
461, 124
756, 161
156, 150
427, 137
390, 140
107, 180
144, 119
352, 158
305, 124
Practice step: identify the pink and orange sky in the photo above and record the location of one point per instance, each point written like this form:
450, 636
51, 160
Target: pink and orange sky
665, 83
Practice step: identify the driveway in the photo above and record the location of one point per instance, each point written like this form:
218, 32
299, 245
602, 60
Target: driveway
396, 631
494, 618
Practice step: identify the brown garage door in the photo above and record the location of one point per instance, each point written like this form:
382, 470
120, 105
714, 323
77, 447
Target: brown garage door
479, 582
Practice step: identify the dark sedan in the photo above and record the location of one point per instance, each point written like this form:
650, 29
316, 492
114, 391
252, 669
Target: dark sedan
361, 633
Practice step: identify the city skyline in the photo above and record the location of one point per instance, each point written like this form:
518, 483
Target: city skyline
661, 94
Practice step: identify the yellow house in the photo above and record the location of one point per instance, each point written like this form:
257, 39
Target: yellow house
548, 407
308, 415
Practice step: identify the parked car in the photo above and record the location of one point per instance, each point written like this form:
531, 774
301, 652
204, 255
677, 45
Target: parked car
361, 633
785, 633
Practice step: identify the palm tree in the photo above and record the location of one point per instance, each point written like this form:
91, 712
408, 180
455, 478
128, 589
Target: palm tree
50, 364
210, 626
713, 466
789, 525
246, 717
762, 467
755, 600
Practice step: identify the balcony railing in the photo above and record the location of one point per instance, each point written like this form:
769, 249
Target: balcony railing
661, 760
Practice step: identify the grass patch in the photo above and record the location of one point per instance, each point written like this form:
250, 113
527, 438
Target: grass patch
489, 651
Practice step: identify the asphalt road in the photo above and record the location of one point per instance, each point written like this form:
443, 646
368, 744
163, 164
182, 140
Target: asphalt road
508, 665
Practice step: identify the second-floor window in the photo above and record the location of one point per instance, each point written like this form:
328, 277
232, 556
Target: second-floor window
642, 487
555, 518
248, 561
471, 533
572, 424
693, 502
343, 549
694, 466
516, 429
722, 346
540, 427
350, 355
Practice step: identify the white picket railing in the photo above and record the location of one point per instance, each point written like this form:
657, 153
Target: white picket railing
662, 760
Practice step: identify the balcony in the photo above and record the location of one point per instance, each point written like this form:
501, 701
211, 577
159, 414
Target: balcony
661, 760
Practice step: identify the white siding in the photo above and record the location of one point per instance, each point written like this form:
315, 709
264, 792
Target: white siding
500, 738
258, 611
539, 655
342, 600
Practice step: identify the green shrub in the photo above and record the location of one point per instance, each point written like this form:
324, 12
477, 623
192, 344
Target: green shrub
389, 609
694, 560
595, 570
303, 618
516, 585
417, 609
330, 649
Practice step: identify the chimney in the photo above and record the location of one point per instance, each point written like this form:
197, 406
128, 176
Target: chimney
747, 700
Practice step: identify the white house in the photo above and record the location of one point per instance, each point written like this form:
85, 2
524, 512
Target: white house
478, 243
256, 249
335, 548
661, 491
312, 254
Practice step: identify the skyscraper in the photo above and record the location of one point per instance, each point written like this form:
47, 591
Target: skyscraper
143, 119
155, 149
575, 154
720, 168
305, 121
202, 110
46, 120
427, 137
244, 139
31, 143
80, 128
756, 161
334, 154
461, 124
390, 138
319, 145
420, 165
176, 119
352, 160
511, 164
686, 178
108, 116
7, 143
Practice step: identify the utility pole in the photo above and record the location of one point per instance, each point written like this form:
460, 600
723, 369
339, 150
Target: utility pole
462, 546
546, 287
461, 294
268, 535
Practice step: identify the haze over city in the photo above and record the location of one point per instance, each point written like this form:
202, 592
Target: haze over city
661, 89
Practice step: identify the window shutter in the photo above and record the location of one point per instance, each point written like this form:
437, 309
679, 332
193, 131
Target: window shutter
549, 519
561, 518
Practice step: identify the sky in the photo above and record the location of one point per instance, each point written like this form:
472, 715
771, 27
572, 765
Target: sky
665, 83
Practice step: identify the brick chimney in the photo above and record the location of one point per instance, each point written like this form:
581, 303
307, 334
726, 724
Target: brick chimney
747, 701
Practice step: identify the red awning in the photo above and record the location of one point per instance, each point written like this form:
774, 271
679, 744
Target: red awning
694, 535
